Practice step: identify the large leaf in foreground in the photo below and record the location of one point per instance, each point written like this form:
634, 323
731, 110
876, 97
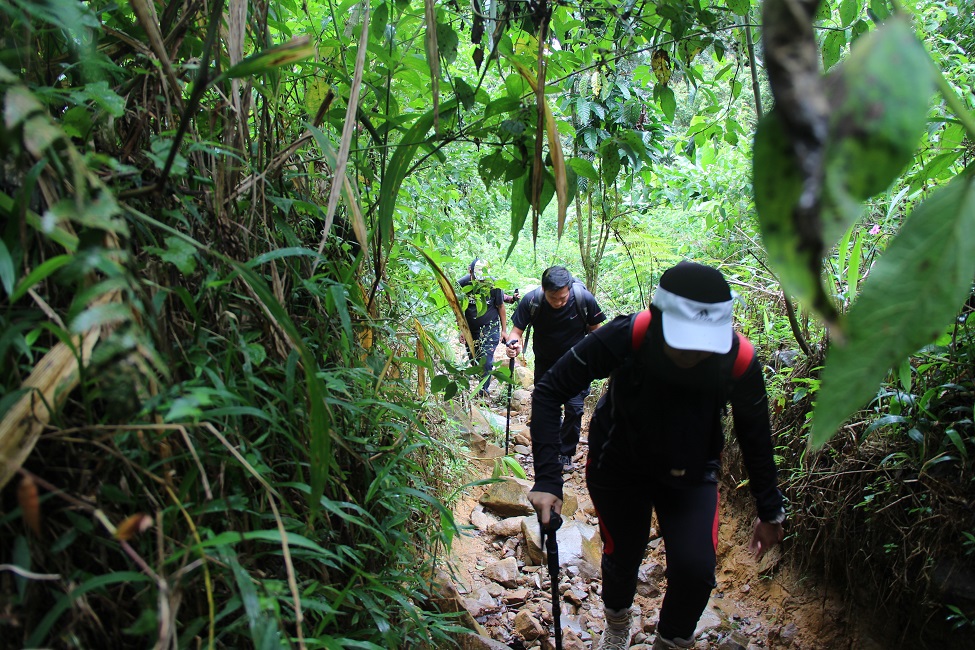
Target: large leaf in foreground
793, 244
879, 99
909, 298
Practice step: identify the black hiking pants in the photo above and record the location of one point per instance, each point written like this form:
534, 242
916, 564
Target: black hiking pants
486, 342
572, 410
688, 520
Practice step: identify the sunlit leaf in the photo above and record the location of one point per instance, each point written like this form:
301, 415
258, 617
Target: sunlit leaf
296, 50
849, 10
912, 293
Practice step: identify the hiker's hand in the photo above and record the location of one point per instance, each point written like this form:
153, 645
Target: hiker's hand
544, 503
764, 537
513, 348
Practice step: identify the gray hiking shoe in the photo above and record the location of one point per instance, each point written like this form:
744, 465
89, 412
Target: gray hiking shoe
668, 644
616, 636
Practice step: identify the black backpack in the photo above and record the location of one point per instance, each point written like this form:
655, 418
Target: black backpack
536, 297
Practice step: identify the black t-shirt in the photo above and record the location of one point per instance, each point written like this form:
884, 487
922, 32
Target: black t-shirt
483, 304
555, 331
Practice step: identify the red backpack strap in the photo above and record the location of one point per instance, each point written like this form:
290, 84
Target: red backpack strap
640, 325
746, 352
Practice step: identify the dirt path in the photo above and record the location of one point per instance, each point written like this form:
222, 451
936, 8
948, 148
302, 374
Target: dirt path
755, 605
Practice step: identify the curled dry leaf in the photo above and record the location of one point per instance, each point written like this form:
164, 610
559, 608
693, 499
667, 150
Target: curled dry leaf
30, 504
132, 526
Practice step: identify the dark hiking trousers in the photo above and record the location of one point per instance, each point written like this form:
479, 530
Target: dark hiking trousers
485, 342
688, 523
572, 410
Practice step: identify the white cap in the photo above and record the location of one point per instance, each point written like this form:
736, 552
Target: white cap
692, 325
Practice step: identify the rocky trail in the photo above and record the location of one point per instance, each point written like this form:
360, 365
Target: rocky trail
500, 582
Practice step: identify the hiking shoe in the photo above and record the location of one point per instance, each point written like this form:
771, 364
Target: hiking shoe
668, 644
566, 462
616, 636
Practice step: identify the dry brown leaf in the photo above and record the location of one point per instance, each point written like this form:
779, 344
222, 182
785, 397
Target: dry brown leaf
30, 504
132, 526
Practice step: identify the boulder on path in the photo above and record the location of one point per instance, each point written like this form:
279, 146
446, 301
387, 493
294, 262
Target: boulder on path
528, 627
485, 417
524, 376
577, 542
520, 400
509, 498
505, 572
508, 527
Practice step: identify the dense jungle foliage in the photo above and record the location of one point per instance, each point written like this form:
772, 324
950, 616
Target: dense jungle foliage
232, 231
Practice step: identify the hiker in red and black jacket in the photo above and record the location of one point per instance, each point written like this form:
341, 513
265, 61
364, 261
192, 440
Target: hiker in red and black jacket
655, 441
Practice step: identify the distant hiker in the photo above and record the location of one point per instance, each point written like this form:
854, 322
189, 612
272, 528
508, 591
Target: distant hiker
562, 312
655, 442
485, 316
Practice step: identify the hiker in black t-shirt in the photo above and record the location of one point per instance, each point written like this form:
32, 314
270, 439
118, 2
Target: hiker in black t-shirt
655, 440
561, 312
485, 316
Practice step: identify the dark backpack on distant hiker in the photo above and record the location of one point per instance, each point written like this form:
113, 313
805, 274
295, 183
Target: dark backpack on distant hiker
535, 298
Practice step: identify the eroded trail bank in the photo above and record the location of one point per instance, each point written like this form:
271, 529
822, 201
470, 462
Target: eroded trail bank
501, 579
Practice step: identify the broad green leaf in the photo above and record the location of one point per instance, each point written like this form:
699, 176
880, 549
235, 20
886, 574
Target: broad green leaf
179, 253
465, 94
439, 383
849, 10
911, 295
879, 97
778, 183
105, 98
739, 7
880, 9
520, 205
447, 42
667, 101
860, 28
610, 161
584, 168
379, 21
833, 48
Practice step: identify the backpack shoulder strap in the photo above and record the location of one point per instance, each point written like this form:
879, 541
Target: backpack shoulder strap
746, 352
534, 298
640, 325
579, 291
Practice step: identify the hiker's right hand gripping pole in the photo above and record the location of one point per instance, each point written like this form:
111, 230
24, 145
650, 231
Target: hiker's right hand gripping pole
551, 546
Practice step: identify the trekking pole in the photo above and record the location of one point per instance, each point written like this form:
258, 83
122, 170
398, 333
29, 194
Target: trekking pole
507, 422
552, 553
